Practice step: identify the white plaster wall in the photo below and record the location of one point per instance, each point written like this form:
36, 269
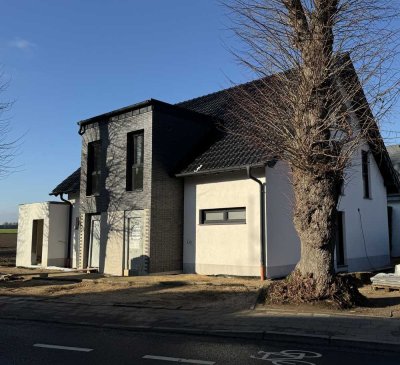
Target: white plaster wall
75, 229
283, 244
112, 243
234, 250
28, 213
231, 249
395, 227
366, 237
58, 234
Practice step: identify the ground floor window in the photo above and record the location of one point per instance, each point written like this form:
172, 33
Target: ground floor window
223, 216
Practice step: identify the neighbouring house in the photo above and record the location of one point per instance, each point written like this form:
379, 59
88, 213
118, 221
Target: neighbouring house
42, 234
394, 205
163, 189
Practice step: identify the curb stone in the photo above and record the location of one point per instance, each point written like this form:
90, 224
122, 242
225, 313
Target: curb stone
273, 336
53, 278
326, 315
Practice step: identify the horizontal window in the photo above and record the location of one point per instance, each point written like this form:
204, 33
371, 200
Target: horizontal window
223, 216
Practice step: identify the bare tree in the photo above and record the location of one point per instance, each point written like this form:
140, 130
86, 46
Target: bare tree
325, 80
7, 145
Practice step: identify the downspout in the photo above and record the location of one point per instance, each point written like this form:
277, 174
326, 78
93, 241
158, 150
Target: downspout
69, 243
263, 223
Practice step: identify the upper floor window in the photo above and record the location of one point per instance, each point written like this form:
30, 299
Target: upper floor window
93, 168
365, 174
135, 152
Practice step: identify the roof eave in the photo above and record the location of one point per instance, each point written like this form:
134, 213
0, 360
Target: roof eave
142, 104
218, 171
56, 193
112, 113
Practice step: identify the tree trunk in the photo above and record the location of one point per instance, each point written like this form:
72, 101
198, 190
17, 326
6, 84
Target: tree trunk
314, 219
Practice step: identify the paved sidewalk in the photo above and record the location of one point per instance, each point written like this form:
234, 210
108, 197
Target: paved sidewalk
256, 323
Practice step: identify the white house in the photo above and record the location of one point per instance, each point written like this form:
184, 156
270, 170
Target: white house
233, 248
162, 189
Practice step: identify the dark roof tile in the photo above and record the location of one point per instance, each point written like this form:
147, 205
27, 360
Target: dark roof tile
69, 185
230, 151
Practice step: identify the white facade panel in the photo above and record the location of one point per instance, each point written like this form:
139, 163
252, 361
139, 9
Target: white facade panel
75, 228
27, 214
366, 234
283, 244
366, 221
230, 249
58, 235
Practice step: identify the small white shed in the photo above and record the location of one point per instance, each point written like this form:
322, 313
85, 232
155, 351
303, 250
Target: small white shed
42, 234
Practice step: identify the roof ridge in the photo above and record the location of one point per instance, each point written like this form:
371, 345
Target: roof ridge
220, 91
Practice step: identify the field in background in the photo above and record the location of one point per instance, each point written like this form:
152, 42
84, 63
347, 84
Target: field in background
8, 230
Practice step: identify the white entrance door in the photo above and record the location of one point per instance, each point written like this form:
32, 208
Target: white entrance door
94, 242
136, 261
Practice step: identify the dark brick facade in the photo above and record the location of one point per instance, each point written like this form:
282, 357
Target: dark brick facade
171, 135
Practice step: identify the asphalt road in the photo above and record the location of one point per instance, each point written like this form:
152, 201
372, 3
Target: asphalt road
39, 343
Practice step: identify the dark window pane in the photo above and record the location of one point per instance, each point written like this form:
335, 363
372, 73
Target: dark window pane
340, 256
365, 174
96, 153
138, 142
137, 174
93, 168
95, 182
134, 161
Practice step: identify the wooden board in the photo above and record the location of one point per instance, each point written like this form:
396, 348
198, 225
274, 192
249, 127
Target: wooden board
387, 288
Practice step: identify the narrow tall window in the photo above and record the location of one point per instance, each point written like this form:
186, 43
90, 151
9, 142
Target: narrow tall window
135, 152
93, 168
340, 251
365, 174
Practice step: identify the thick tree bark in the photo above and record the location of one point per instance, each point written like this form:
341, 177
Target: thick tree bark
314, 219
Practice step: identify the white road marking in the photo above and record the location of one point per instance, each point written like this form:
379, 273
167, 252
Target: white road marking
287, 357
176, 359
57, 347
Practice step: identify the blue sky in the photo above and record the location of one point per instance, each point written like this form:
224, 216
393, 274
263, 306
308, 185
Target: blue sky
69, 60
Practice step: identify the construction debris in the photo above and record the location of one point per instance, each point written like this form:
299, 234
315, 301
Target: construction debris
10, 277
386, 281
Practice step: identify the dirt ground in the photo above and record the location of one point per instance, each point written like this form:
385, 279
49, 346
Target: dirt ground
379, 304
168, 292
8, 245
174, 292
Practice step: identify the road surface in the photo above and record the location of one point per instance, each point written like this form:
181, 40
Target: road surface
25, 342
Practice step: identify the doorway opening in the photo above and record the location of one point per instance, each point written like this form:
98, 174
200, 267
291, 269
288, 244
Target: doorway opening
37, 241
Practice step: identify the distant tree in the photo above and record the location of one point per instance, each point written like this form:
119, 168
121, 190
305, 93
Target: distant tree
9, 225
329, 59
